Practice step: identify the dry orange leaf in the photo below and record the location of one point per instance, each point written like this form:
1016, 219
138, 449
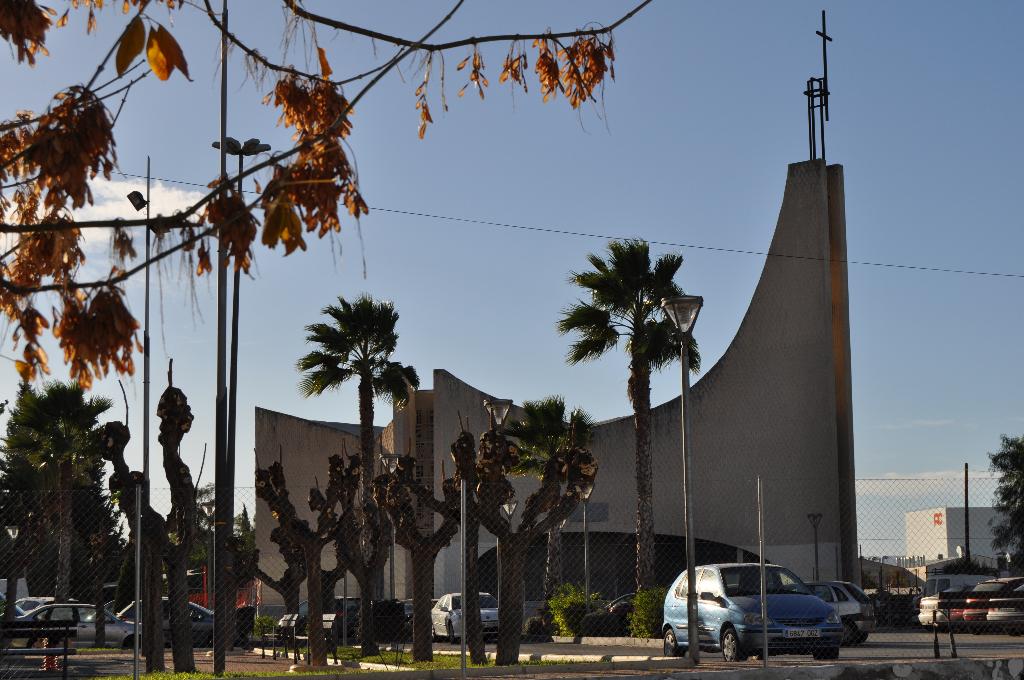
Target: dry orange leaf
131, 45
282, 224
164, 54
325, 68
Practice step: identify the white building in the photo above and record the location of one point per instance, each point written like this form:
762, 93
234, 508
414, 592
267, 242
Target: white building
936, 533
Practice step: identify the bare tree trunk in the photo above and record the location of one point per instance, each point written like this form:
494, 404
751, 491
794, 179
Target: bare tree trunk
422, 589
640, 396
315, 623
367, 638
510, 609
553, 565
177, 610
62, 589
152, 604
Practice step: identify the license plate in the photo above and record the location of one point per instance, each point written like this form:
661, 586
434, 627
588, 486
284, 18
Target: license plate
802, 633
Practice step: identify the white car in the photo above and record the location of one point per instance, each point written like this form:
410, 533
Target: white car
446, 616
853, 606
117, 632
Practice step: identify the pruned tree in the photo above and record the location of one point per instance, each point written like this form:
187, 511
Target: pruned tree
164, 541
1008, 527
403, 496
114, 438
287, 585
567, 475
545, 428
272, 488
180, 526
361, 543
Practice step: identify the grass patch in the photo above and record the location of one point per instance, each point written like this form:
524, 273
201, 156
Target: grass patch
170, 675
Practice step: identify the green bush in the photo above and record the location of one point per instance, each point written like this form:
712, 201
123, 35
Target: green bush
648, 612
263, 625
568, 607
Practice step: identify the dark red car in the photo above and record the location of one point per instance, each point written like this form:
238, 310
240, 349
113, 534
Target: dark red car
976, 600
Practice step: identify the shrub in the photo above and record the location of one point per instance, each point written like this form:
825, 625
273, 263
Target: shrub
648, 612
603, 624
568, 607
263, 625
536, 627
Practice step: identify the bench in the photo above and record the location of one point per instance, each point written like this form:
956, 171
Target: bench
33, 631
330, 622
284, 630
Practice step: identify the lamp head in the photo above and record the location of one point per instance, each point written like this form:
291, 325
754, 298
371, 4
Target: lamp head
585, 492
683, 310
12, 531
137, 200
209, 507
231, 146
253, 146
498, 409
509, 507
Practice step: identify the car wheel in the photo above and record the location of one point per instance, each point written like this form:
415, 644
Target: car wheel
850, 633
670, 647
825, 653
730, 642
128, 642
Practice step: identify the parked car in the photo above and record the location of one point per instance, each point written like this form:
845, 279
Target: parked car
202, 622
854, 608
446, 616
976, 600
117, 633
611, 620
729, 614
944, 608
29, 603
347, 608
1006, 612
18, 611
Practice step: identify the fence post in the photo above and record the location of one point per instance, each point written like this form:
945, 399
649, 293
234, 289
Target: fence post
764, 580
138, 579
935, 634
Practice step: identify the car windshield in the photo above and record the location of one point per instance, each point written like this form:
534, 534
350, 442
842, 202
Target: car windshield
857, 593
745, 580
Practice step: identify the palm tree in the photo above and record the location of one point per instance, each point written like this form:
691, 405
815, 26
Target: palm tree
54, 429
543, 429
358, 343
625, 304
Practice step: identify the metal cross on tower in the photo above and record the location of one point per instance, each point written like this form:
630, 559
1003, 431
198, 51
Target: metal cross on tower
817, 98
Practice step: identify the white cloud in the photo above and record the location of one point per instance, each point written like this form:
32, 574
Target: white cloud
111, 202
919, 423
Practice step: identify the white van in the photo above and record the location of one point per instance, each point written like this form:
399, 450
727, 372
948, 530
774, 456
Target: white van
936, 583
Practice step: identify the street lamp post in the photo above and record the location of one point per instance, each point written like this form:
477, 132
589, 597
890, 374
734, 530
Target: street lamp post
224, 468
682, 311
815, 520
509, 507
390, 463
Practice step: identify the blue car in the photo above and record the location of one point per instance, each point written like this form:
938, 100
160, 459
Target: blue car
729, 614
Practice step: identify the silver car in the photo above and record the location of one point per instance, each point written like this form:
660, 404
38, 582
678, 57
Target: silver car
853, 606
446, 616
117, 633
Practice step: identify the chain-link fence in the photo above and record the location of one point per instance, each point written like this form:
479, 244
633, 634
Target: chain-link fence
923, 571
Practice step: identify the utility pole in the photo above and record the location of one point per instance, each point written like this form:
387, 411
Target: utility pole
224, 474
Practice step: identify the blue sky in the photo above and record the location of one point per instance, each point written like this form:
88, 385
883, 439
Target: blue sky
690, 145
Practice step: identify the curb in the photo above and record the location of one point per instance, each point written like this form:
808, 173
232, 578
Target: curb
652, 643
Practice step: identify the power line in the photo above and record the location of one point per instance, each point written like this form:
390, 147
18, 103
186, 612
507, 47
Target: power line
693, 246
